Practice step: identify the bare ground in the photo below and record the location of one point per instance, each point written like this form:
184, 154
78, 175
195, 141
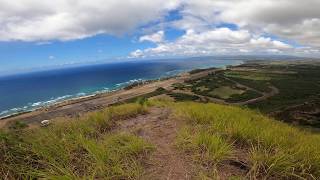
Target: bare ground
159, 128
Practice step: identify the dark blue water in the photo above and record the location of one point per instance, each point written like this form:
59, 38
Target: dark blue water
33, 90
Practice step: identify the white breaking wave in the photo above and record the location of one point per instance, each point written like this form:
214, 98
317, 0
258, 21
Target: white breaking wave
33, 106
129, 82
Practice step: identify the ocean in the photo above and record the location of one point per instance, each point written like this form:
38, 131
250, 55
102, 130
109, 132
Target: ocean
29, 91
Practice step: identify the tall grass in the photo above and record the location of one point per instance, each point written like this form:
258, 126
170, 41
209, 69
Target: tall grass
276, 149
81, 148
209, 149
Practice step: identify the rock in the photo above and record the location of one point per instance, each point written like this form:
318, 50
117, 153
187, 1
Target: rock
45, 123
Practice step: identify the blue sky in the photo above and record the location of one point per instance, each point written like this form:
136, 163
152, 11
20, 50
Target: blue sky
25, 56
96, 48
39, 34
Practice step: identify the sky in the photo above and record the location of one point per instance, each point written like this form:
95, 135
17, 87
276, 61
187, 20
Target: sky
37, 34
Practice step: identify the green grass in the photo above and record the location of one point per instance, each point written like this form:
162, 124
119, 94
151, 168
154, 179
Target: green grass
207, 84
206, 149
157, 92
80, 148
225, 92
295, 88
183, 97
88, 147
276, 149
247, 95
250, 75
195, 71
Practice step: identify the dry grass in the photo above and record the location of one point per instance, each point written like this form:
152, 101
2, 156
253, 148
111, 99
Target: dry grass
85, 148
276, 149
80, 148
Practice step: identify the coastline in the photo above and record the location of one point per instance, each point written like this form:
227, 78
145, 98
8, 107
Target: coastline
93, 100
90, 99
78, 99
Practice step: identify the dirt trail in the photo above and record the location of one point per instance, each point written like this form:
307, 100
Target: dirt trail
274, 91
160, 129
265, 95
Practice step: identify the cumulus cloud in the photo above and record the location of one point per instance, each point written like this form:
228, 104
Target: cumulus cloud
268, 42
216, 41
45, 20
255, 22
136, 54
156, 37
290, 19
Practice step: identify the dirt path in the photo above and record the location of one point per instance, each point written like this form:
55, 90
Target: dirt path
215, 100
264, 96
159, 128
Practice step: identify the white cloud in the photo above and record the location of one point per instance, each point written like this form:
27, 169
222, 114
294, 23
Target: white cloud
216, 41
306, 32
295, 20
51, 57
156, 37
136, 54
268, 42
45, 20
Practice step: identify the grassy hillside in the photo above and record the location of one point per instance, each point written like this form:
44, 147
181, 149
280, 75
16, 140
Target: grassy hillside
215, 134
75, 148
211, 136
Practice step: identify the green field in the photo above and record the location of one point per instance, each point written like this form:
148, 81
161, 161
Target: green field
298, 85
225, 92
221, 87
298, 82
294, 88
250, 76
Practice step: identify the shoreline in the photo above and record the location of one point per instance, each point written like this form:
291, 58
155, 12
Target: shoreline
100, 93
85, 99
79, 99
76, 106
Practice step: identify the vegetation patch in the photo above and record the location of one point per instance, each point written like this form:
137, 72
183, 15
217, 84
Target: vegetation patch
79, 148
274, 149
195, 71
294, 89
247, 95
157, 92
184, 97
250, 75
207, 150
225, 92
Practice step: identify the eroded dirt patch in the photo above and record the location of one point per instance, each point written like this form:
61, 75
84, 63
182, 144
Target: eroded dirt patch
160, 129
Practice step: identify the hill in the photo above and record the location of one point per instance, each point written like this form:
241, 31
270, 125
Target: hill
164, 140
